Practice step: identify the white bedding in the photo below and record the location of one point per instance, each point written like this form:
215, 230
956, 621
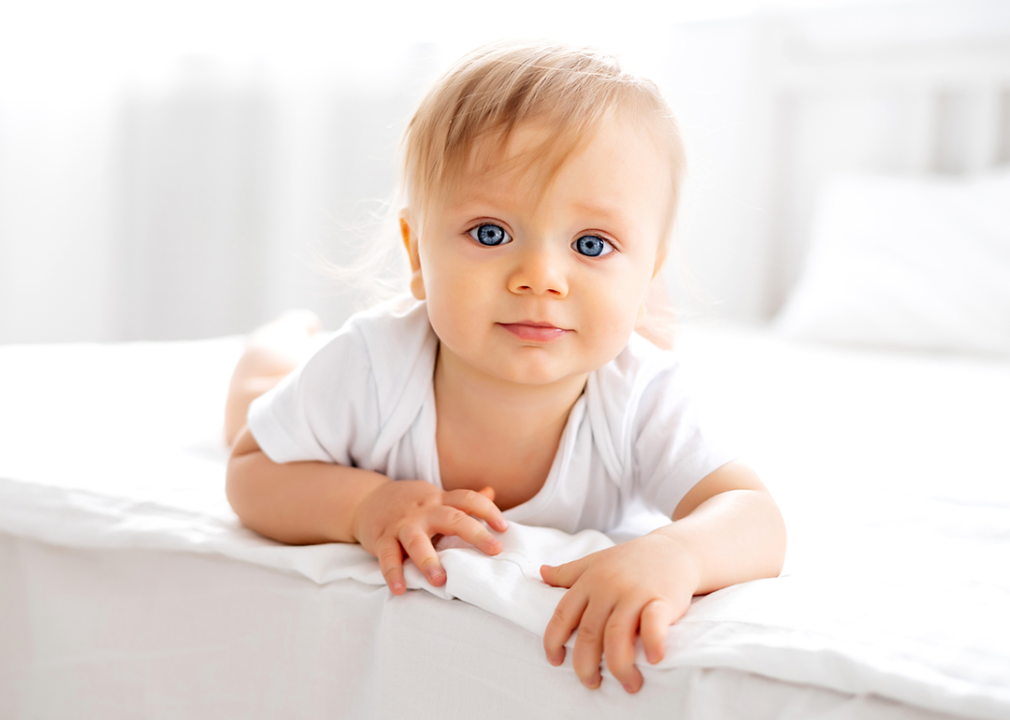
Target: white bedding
891, 468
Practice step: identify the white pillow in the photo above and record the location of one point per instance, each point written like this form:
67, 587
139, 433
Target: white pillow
904, 262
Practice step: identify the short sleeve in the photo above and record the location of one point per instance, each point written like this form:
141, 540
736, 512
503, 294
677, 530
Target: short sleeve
326, 410
672, 451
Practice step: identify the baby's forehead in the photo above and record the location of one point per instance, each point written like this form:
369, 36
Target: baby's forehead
520, 153
610, 183
533, 154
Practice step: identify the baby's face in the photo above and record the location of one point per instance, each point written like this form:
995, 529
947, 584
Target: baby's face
536, 285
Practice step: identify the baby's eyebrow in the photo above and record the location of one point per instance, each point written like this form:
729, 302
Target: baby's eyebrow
611, 213
475, 200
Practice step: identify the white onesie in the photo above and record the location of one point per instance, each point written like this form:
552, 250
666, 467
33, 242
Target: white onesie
366, 399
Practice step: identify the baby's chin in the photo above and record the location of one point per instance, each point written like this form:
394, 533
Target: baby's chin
542, 377
534, 368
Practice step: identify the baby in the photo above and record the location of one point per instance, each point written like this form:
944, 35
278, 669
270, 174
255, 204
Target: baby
541, 184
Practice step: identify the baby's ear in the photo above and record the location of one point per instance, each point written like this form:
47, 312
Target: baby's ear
661, 253
410, 243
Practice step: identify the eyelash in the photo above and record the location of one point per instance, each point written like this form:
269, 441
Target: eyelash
475, 233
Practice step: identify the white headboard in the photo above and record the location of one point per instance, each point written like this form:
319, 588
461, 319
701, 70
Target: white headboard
910, 88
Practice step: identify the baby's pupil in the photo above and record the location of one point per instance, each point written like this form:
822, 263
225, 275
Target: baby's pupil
589, 245
490, 235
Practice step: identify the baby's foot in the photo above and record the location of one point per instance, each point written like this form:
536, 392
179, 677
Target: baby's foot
272, 351
281, 344
292, 328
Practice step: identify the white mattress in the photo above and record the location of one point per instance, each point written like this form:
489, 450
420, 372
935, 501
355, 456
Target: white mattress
129, 588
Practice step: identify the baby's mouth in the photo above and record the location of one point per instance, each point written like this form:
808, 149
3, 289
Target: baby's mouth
533, 331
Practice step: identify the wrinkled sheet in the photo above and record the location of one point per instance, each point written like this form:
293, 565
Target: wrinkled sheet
891, 470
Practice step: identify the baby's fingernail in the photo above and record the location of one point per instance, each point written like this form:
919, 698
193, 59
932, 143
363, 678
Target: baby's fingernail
437, 577
397, 588
629, 688
593, 682
503, 524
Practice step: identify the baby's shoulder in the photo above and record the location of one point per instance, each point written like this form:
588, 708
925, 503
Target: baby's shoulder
395, 320
619, 396
387, 334
378, 352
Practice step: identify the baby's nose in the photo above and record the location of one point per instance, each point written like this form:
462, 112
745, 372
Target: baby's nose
539, 272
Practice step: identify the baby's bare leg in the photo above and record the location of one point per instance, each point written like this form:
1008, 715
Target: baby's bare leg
273, 351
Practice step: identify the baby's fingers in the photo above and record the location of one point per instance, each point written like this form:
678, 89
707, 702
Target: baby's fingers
657, 617
456, 522
566, 618
619, 646
565, 575
390, 558
422, 552
478, 504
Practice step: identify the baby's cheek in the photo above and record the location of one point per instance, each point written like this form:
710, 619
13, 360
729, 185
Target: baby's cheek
457, 325
612, 334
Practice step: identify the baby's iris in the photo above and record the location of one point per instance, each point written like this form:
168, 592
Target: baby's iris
489, 234
592, 246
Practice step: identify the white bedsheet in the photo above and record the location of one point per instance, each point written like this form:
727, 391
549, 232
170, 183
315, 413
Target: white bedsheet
891, 469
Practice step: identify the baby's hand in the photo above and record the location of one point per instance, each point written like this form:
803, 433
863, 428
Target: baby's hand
641, 586
404, 515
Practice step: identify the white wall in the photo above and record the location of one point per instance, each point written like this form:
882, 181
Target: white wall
179, 173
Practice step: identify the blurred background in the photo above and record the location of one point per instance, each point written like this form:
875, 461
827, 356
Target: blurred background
187, 169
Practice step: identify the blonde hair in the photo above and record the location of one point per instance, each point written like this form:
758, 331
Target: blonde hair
494, 90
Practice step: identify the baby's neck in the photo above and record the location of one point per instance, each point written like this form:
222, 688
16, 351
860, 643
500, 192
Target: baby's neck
494, 433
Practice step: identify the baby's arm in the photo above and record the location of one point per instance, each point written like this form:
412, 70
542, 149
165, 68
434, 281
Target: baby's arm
303, 503
726, 530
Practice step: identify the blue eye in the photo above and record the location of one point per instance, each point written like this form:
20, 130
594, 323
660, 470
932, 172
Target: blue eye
592, 246
490, 234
